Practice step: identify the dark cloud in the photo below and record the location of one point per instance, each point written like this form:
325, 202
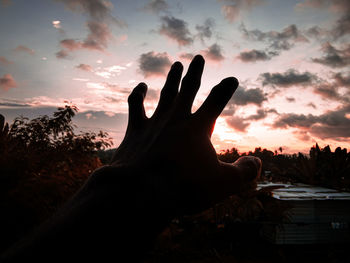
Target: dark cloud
85, 67
97, 39
332, 124
328, 91
242, 123
237, 123
334, 57
153, 63
176, 29
71, 44
152, 94
288, 78
98, 36
214, 53
7, 82
261, 114
277, 41
342, 25
156, 6
243, 96
341, 80
302, 135
312, 105
10, 103
233, 8
186, 56
22, 48
96, 9
205, 31
62, 54
5, 61
255, 55
290, 99
317, 32
99, 33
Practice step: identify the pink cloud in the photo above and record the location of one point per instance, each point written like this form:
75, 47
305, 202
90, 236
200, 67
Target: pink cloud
85, 67
5, 61
22, 48
7, 82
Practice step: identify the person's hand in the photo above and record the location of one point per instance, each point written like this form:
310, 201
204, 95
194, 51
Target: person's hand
174, 144
166, 166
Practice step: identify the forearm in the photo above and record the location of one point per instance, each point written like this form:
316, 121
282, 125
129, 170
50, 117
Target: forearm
116, 212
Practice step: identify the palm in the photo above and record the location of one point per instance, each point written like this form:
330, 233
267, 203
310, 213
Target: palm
176, 143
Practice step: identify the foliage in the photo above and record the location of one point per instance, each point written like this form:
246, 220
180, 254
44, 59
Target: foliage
321, 167
43, 163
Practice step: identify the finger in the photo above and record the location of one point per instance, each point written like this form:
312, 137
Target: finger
216, 102
170, 89
136, 109
237, 178
190, 85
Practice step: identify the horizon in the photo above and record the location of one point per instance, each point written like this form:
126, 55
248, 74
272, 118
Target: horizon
291, 59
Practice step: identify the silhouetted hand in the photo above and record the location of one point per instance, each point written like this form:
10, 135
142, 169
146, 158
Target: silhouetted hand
174, 145
166, 166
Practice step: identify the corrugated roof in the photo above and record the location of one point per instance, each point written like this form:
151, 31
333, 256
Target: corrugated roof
305, 192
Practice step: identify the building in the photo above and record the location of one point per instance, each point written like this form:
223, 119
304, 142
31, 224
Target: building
317, 216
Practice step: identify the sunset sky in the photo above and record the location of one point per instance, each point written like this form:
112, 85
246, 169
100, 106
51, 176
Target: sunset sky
292, 59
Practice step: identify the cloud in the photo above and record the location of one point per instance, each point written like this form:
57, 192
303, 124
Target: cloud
312, 105
24, 49
333, 124
10, 103
5, 61
85, 67
255, 55
7, 82
233, 8
337, 6
290, 99
214, 53
342, 25
98, 37
328, 91
277, 41
242, 123
156, 6
261, 114
99, 33
154, 64
62, 54
96, 9
243, 96
334, 57
289, 78
186, 56
70, 44
56, 24
205, 31
176, 29
237, 123
340, 80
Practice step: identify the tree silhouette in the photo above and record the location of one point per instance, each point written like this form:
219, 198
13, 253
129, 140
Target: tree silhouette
43, 163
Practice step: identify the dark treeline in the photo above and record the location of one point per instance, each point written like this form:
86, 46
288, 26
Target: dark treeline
321, 167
